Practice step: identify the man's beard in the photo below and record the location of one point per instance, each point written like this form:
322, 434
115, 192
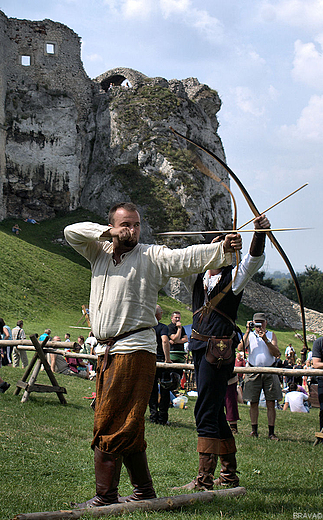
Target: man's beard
132, 242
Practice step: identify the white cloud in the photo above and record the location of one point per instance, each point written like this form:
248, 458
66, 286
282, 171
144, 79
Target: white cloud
94, 57
200, 19
207, 25
130, 8
308, 63
273, 93
256, 58
169, 7
180, 11
309, 126
137, 8
247, 102
299, 13
111, 3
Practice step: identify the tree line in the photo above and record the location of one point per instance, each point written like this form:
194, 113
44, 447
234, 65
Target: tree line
310, 282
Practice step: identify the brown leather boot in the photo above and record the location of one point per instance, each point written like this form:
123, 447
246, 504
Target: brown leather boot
140, 478
228, 476
204, 479
107, 475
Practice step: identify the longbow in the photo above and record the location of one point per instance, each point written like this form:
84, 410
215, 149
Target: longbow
255, 211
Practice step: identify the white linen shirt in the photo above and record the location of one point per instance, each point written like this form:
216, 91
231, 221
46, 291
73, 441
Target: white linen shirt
124, 296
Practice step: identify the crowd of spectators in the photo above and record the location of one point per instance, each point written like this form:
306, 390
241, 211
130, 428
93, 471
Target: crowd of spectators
67, 365
295, 388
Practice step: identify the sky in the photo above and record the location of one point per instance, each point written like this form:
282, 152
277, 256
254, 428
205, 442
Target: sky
264, 58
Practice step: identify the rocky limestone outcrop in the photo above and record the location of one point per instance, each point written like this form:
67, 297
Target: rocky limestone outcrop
45, 118
135, 155
67, 140
280, 311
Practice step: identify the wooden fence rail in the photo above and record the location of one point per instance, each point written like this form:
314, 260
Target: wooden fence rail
27, 345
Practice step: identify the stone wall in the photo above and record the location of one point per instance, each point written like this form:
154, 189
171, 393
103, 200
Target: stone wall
45, 110
53, 53
3, 88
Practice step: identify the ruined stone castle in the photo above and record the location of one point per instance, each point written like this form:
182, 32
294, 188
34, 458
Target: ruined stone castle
67, 140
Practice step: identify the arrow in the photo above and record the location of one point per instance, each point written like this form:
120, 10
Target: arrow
217, 231
276, 204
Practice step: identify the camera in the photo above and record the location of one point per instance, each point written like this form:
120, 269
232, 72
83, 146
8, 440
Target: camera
252, 325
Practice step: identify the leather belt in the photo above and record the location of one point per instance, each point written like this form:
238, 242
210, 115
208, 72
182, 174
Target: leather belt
205, 337
109, 342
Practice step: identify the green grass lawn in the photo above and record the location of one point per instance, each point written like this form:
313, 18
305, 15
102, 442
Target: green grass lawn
47, 461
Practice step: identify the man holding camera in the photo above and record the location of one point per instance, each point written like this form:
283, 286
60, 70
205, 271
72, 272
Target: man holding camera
262, 352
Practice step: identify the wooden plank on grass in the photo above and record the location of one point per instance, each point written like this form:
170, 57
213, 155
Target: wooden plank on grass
37, 387
156, 504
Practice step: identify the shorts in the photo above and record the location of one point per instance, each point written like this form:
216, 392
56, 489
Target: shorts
254, 383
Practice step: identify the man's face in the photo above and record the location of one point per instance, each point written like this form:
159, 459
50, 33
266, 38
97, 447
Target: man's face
158, 314
130, 219
260, 325
176, 318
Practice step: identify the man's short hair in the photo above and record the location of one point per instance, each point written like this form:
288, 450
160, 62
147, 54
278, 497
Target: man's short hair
20, 323
129, 206
175, 312
292, 387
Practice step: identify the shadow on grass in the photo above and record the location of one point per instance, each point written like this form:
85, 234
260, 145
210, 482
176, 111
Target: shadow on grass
180, 424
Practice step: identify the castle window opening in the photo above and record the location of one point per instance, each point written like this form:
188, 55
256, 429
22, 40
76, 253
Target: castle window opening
25, 60
50, 48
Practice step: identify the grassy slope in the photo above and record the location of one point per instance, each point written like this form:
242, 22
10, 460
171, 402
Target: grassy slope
45, 283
